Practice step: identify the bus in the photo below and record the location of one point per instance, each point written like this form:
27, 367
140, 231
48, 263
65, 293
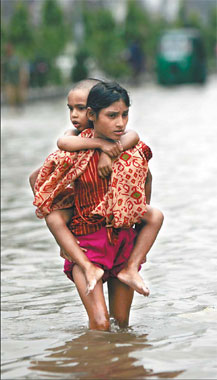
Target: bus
181, 57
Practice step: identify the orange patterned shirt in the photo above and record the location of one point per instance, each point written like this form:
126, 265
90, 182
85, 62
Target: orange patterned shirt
70, 179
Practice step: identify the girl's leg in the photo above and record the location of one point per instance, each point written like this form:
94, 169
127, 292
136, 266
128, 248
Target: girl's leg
57, 224
120, 300
94, 302
145, 239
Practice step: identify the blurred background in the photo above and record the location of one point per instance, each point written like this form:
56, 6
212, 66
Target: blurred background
52, 43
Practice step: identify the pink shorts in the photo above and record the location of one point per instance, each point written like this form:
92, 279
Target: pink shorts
111, 258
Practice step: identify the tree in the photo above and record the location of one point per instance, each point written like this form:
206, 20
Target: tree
140, 26
211, 37
51, 38
20, 31
104, 42
3, 38
137, 22
207, 29
52, 32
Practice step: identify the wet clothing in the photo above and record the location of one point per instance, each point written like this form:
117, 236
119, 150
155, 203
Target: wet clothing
104, 210
120, 199
111, 258
89, 190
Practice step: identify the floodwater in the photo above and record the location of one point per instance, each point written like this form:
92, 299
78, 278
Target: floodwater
173, 332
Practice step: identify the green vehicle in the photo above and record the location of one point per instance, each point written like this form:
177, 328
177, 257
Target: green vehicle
181, 57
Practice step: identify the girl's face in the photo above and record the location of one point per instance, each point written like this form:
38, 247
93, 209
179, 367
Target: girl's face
111, 121
77, 100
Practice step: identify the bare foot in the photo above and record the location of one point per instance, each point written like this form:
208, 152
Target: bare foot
133, 279
92, 275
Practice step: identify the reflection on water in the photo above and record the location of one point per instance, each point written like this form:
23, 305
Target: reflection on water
173, 332
98, 355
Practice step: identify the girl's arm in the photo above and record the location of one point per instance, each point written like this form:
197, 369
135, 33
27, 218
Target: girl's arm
104, 166
148, 187
32, 179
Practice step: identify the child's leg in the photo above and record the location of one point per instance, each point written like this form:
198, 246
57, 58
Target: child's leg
145, 239
57, 224
94, 302
120, 300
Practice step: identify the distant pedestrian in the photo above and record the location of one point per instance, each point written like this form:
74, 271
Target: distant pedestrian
136, 59
15, 77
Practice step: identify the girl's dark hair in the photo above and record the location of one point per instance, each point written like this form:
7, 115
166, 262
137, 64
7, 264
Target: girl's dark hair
103, 94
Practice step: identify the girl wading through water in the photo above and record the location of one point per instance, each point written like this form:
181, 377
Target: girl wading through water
104, 210
57, 219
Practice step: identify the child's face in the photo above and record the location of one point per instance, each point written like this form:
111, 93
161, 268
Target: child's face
77, 100
111, 122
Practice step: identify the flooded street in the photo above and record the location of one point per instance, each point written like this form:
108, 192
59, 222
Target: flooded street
173, 332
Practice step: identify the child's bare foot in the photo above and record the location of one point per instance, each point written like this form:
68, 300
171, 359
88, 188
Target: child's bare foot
92, 275
133, 279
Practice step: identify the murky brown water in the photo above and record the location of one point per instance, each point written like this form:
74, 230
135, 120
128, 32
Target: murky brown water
173, 333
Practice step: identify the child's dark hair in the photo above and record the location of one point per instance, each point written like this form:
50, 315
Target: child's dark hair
103, 94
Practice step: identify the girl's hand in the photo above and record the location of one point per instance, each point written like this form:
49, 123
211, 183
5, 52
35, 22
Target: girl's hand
104, 165
66, 256
111, 149
83, 249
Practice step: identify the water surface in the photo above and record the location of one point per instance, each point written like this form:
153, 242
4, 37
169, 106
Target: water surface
172, 333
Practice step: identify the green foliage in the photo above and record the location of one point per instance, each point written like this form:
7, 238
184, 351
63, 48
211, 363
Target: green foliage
137, 23
52, 34
80, 70
188, 20
194, 20
4, 38
158, 25
51, 38
181, 21
210, 33
55, 76
20, 31
142, 27
207, 30
104, 41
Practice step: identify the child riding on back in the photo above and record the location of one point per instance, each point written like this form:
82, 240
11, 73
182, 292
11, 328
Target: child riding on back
57, 219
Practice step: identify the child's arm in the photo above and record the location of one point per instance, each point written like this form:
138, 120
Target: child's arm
71, 132
73, 143
129, 139
32, 179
